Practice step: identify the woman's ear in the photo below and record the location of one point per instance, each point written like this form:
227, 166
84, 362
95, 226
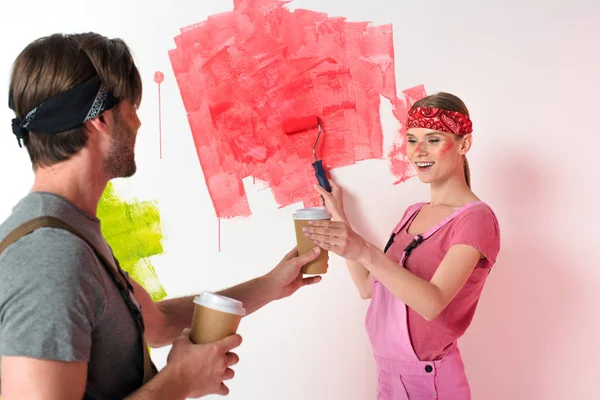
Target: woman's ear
465, 144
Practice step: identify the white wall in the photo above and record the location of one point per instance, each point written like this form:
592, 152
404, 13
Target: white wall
529, 72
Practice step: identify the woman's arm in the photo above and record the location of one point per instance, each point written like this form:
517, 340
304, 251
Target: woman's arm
428, 298
362, 278
334, 202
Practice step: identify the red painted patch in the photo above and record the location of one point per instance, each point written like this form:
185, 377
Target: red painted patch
243, 73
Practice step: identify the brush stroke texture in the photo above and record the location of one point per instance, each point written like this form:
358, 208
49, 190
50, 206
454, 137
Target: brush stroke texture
243, 73
133, 231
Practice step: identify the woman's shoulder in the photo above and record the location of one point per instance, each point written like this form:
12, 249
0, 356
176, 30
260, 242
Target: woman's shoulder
477, 213
479, 207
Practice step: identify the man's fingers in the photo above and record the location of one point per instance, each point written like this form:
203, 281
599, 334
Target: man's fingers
309, 256
228, 374
231, 359
230, 342
311, 281
292, 254
185, 334
223, 390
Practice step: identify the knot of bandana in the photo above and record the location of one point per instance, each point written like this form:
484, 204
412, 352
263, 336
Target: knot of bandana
18, 129
440, 120
65, 110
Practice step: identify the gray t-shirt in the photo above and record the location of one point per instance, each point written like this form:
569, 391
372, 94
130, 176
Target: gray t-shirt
57, 301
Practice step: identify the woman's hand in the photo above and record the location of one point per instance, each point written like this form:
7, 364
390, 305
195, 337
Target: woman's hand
334, 201
337, 237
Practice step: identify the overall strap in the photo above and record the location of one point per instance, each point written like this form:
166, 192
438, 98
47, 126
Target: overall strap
115, 272
418, 239
449, 218
409, 214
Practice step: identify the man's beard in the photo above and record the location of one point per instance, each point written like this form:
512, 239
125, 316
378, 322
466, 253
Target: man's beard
120, 162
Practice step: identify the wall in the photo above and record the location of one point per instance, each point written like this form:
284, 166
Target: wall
528, 72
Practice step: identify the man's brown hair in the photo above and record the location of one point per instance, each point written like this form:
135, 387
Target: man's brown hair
52, 65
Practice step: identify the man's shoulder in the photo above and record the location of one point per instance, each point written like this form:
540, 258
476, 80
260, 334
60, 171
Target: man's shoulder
47, 254
36, 205
53, 255
16, 218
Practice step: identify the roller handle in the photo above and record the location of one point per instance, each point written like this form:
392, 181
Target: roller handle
321, 175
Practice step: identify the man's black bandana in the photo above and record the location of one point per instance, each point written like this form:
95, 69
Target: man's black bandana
65, 110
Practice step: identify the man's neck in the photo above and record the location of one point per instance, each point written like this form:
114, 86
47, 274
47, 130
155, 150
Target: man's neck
79, 180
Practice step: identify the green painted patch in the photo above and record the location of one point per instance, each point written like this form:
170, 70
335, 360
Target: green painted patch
133, 231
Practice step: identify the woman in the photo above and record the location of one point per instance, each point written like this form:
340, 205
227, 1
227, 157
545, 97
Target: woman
425, 285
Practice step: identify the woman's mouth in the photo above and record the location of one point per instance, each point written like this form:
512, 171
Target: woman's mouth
424, 166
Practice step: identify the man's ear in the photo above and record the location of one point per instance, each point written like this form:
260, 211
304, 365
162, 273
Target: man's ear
101, 124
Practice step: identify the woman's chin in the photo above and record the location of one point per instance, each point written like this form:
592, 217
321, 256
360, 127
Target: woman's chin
425, 177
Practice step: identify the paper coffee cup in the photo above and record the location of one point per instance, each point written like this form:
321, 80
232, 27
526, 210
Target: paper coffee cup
215, 317
301, 219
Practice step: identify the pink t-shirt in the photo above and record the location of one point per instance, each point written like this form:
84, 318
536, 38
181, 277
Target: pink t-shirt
476, 226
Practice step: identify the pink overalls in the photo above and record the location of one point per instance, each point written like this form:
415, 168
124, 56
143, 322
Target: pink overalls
401, 375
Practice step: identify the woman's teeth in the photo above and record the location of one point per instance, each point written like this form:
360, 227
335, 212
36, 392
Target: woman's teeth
424, 164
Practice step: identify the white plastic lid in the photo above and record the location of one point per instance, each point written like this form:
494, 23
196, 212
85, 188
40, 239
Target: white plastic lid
310, 214
220, 303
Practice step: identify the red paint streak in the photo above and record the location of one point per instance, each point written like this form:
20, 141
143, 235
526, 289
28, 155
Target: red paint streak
159, 77
418, 147
243, 73
447, 147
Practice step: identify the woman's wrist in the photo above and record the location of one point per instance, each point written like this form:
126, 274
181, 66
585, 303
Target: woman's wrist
340, 218
366, 256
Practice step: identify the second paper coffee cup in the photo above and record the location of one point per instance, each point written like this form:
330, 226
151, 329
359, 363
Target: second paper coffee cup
301, 219
215, 317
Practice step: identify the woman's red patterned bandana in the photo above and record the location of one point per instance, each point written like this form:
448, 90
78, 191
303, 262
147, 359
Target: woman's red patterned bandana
440, 120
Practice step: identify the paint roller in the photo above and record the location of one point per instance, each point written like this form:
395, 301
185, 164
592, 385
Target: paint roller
298, 125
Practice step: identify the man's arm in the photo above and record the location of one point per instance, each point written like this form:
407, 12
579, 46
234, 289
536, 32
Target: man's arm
166, 319
30, 378
168, 384
50, 305
191, 371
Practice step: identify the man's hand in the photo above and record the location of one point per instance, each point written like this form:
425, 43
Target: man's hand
204, 366
286, 276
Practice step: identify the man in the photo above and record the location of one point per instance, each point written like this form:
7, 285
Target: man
66, 330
